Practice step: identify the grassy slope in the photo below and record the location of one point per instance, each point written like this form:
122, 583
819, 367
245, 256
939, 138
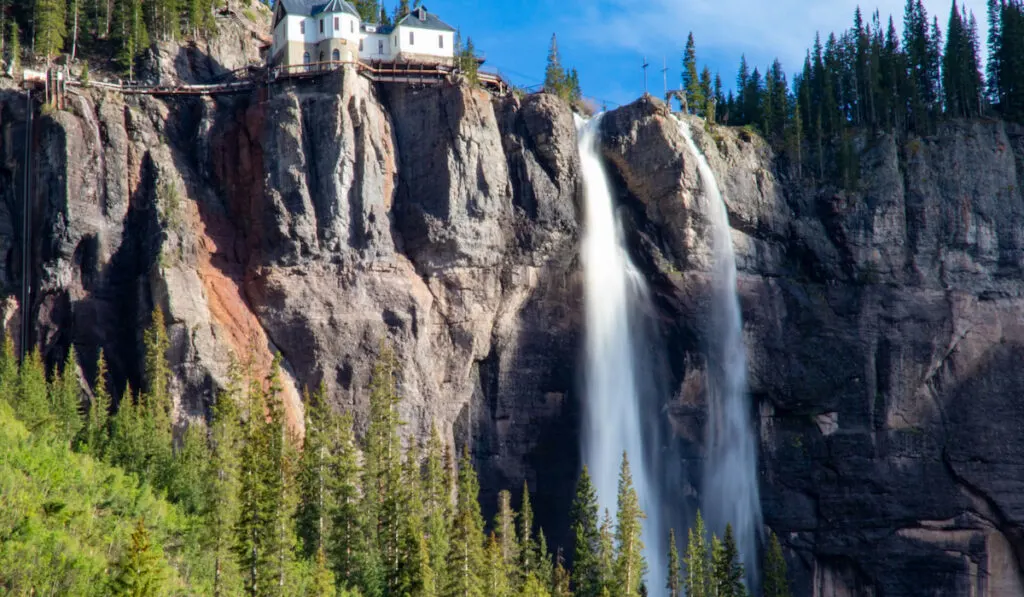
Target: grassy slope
65, 517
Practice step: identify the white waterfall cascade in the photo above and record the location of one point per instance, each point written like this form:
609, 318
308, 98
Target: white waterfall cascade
730, 490
612, 422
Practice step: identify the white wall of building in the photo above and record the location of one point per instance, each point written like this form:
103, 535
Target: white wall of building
430, 42
376, 46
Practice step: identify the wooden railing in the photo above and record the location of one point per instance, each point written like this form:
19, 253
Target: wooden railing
249, 78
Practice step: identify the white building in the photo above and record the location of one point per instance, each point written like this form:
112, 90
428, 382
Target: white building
309, 31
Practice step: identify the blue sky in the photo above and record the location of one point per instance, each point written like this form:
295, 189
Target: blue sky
606, 40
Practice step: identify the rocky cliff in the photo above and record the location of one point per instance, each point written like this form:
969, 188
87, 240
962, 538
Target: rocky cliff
885, 331
316, 220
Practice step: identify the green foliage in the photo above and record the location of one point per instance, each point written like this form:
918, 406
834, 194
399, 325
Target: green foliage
8, 371
695, 98
630, 566
466, 553
775, 582
674, 582
559, 81
223, 484
32, 404
50, 28
13, 47
66, 400
189, 471
66, 519
698, 578
726, 567
587, 576
437, 512
139, 573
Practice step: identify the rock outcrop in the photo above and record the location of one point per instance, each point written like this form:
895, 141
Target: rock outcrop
885, 330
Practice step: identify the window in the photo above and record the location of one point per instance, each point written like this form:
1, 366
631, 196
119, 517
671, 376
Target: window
351, 26
412, 38
360, 45
305, 58
336, 55
302, 27
380, 47
440, 41
337, 23
321, 25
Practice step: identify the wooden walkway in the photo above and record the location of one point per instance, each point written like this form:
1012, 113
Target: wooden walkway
247, 79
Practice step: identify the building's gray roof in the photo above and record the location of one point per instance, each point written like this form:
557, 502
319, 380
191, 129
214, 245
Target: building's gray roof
315, 7
421, 18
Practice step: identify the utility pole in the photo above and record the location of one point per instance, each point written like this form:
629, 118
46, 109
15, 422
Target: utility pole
646, 65
664, 75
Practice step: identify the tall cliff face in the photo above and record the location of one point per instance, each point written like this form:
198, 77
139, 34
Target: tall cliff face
885, 329
885, 326
318, 221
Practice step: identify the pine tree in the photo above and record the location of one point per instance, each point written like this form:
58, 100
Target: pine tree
533, 586
437, 499
131, 33
32, 404
348, 547
697, 580
587, 579
402, 10
127, 435
280, 491
314, 498
415, 575
545, 565
695, 98
139, 573
630, 566
155, 403
322, 584
674, 582
8, 372
50, 27
554, 74
465, 556
223, 485
775, 582
708, 92
505, 531
190, 469
742, 83
560, 577
382, 468
606, 553
727, 569
528, 551
96, 434
496, 573
994, 8
66, 400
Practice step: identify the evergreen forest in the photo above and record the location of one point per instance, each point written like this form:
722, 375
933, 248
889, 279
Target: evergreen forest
102, 495
872, 77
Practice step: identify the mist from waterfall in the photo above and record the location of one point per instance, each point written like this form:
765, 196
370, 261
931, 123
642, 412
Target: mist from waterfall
617, 415
730, 491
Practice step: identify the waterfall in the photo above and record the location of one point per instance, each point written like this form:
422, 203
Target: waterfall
615, 418
730, 492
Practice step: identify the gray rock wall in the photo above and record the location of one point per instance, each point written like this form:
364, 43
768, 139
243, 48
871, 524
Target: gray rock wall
885, 328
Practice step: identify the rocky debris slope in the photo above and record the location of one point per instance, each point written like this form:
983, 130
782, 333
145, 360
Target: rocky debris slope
885, 330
